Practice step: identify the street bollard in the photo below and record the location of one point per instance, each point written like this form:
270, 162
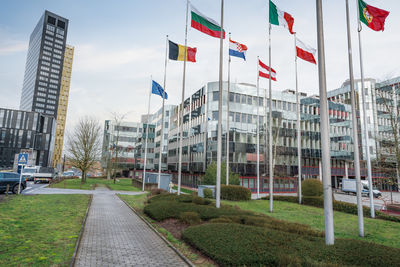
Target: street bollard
7, 189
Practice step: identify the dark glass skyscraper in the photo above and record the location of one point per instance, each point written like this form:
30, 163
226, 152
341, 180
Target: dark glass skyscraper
44, 64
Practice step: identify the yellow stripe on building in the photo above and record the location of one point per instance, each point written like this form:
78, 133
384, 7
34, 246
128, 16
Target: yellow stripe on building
63, 105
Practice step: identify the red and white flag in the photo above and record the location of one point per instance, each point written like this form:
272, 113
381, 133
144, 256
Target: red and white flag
305, 52
263, 71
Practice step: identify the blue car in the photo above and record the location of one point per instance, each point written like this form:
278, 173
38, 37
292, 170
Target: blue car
12, 180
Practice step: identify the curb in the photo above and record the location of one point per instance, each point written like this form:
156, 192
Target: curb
159, 234
78, 241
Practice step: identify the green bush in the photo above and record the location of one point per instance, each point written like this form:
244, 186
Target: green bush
208, 193
284, 198
311, 188
157, 191
210, 176
190, 217
313, 201
200, 200
393, 207
221, 220
235, 192
244, 245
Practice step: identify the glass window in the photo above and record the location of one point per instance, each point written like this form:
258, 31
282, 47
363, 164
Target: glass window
231, 97
215, 115
249, 100
215, 95
243, 100
237, 117
231, 115
237, 98
249, 118
244, 118
260, 101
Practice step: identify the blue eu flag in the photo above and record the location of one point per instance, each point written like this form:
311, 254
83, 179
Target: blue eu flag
158, 90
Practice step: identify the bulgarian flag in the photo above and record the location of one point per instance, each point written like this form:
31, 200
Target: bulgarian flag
280, 18
305, 52
371, 16
264, 71
205, 24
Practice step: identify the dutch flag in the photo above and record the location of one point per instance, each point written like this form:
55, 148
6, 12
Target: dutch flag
237, 50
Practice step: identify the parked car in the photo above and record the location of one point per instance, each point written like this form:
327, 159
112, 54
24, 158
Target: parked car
11, 179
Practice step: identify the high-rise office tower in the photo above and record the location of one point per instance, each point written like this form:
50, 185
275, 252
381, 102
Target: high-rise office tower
63, 105
44, 65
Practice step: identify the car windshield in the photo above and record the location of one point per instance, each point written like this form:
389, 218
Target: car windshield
29, 170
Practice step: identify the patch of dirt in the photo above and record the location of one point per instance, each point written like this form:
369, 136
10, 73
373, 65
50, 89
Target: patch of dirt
174, 226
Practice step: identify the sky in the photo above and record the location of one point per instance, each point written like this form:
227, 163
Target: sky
120, 45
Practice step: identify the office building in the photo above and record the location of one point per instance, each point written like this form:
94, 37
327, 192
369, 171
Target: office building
44, 65
25, 131
63, 105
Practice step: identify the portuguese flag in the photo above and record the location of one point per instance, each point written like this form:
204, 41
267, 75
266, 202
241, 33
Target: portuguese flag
205, 24
371, 16
177, 52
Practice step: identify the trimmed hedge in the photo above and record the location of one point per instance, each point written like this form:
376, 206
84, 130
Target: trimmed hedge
393, 207
311, 188
157, 191
208, 193
235, 192
243, 245
283, 198
190, 217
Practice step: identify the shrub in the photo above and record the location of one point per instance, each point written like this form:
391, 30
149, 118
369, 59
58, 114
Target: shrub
284, 198
210, 176
313, 201
208, 193
393, 207
190, 217
221, 220
200, 201
311, 188
235, 192
157, 191
243, 245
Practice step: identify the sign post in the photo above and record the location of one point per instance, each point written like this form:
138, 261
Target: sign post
22, 161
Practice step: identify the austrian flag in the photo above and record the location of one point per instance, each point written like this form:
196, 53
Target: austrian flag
264, 71
305, 52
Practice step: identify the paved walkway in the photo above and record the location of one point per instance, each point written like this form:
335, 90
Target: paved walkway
116, 236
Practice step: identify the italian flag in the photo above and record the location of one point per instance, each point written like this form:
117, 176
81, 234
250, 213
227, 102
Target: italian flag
205, 24
305, 52
280, 18
371, 16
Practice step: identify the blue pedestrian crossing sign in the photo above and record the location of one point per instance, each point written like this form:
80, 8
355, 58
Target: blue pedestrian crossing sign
22, 159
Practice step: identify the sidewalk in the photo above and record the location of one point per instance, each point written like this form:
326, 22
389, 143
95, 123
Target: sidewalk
115, 236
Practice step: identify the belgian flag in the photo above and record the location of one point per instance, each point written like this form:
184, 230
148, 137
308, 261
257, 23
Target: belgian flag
177, 52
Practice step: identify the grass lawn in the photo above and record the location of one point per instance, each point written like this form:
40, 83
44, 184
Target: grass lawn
187, 191
40, 230
346, 225
121, 184
136, 201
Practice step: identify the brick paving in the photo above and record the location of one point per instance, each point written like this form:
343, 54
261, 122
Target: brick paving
116, 236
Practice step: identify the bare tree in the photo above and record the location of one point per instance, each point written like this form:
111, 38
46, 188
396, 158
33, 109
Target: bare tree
117, 121
83, 146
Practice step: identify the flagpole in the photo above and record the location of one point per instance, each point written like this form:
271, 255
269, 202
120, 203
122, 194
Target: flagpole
325, 141
366, 134
146, 135
271, 168
219, 137
227, 118
162, 116
355, 129
298, 121
183, 101
258, 131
